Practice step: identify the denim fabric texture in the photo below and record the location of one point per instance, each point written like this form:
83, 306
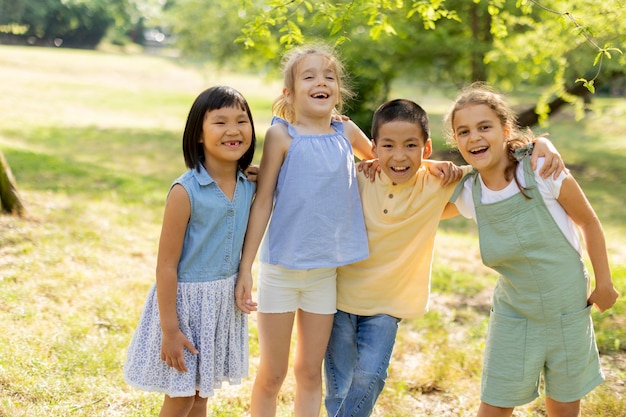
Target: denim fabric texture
356, 362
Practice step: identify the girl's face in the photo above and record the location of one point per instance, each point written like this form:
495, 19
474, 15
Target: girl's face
316, 88
481, 137
226, 134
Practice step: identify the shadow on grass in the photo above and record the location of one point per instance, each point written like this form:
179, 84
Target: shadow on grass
131, 165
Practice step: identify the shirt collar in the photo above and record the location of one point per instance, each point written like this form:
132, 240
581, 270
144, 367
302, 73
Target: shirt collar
204, 178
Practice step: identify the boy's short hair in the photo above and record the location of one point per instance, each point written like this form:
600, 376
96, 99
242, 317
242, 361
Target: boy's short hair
400, 110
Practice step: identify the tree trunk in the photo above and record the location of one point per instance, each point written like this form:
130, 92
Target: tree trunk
529, 117
11, 202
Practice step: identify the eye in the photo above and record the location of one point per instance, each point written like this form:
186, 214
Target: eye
411, 145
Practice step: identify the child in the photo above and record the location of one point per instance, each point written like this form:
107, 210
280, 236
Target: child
541, 316
191, 336
402, 209
307, 178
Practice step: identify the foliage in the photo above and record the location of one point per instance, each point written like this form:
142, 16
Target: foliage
73, 23
553, 43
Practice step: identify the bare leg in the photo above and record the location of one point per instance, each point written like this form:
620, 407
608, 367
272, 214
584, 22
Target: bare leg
486, 410
199, 407
313, 334
176, 406
559, 409
274, 343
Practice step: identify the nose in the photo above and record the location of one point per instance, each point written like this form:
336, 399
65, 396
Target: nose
398, 155
474, 134
232, 129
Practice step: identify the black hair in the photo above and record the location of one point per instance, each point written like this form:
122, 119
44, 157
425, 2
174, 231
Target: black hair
400, 110
212, 99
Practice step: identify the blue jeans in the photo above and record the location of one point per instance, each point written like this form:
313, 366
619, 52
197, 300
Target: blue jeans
356, 362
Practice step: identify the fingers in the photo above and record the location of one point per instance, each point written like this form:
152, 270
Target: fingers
245, 304
243, 300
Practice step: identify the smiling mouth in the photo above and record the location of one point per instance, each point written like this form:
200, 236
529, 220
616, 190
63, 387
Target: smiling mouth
233, 143
399, 170
479, 151
320, 95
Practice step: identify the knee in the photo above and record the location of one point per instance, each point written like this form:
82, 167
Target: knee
370, 380
270, 381
307, 375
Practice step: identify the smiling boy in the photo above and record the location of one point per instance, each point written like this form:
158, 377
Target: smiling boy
402, 210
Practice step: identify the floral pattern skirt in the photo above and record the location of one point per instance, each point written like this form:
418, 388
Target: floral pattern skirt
208, 316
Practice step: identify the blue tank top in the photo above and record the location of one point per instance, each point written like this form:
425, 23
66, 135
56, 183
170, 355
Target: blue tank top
216, 228
317, 220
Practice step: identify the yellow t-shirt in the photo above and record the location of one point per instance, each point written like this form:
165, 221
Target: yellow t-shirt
401, 222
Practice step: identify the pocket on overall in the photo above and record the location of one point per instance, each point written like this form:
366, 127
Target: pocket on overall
579, 340
505, 350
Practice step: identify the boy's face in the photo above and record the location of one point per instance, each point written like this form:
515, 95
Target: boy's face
400, 147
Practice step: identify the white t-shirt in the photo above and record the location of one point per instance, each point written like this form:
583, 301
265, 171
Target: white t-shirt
549, 189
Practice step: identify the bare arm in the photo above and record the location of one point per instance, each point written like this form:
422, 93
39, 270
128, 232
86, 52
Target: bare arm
275, 149
361, 145
175, 218
580, 211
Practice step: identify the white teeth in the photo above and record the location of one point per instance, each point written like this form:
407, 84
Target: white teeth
320, 95
484, 148
399, 169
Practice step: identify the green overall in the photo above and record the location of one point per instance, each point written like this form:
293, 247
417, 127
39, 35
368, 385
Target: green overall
540, 320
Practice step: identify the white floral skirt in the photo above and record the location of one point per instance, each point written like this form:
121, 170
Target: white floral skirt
208, 316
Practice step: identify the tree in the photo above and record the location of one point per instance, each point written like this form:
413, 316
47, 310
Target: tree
10, 201
555, 44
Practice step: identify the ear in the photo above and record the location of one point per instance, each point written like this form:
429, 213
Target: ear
507, 130
286, 94
374, 149
428, 149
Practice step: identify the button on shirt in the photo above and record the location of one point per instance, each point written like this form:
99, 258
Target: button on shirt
401, 222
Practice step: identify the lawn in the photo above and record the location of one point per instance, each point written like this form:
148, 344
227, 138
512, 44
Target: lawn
93, 140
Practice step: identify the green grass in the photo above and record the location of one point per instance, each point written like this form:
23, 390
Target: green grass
93, 140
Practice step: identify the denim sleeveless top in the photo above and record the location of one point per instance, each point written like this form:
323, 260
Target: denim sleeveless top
317, 220
216, 228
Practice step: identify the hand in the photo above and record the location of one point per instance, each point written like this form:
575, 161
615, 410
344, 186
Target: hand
340, 117
446, 170
369, 168
172, 347
553, 163
243, 293
603, 297
252, 172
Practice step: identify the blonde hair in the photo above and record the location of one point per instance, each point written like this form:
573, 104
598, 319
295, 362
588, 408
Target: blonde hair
290, 62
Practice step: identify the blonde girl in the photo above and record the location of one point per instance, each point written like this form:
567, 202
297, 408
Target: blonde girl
307, 184
540, 321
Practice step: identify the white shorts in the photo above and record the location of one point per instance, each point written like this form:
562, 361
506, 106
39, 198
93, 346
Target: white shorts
283, 290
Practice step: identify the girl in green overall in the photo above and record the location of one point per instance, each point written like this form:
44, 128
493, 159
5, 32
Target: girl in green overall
541, 316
